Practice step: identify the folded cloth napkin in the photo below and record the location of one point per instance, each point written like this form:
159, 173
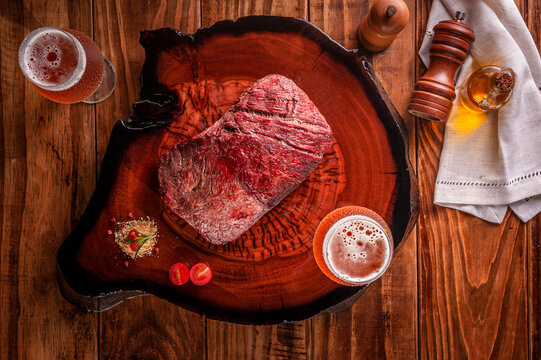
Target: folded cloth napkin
492, 160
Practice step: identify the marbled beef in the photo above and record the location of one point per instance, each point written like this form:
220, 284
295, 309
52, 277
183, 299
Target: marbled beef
224, 179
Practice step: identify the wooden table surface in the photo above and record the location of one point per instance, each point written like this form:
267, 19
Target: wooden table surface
458, 287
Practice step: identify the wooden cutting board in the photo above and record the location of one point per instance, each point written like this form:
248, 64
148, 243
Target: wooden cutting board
269, 274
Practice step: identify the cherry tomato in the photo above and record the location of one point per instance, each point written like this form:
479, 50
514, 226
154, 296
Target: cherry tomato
200, 274
133, 246
133, 234
179, 274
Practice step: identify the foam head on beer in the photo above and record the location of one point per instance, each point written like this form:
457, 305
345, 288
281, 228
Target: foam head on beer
52, 59
353, 246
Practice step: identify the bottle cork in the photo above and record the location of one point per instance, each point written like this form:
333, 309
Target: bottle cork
382, 24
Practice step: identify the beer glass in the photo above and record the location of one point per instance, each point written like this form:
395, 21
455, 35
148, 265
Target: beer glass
66, 66
353, 246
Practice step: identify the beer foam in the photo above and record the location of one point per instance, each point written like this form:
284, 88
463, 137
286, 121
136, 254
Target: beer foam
43, 59
357, 249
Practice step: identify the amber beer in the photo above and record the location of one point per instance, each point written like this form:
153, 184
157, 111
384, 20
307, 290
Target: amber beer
353, 246
66, 66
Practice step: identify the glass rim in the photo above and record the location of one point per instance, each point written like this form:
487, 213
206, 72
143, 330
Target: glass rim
382, 269
77, 73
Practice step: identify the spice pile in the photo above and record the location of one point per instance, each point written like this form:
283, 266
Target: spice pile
137, 237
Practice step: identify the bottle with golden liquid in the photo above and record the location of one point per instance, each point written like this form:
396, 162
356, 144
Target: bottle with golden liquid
488, 88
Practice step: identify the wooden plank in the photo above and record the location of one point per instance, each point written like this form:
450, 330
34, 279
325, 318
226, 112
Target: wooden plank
340, 19
396, 67
472, 295
122, 47
532, 14
472, 273
228, 341
398, 288
151, 328
213, 11
331, 335
383, 322
47, 171
143, 327
534, 293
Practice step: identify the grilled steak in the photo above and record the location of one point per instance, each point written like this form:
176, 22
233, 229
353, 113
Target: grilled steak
224, 179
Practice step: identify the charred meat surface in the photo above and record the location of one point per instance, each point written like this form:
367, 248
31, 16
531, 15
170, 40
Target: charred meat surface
227, 177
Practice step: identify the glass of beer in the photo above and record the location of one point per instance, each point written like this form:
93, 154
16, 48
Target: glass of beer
353, 246
66, 66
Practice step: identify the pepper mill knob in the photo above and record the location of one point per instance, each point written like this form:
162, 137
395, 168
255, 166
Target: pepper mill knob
382, 24
434, 93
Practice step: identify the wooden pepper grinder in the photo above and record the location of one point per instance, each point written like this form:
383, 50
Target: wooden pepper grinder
384, 21
434, 93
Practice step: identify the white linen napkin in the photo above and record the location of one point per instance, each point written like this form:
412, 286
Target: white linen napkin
492, 160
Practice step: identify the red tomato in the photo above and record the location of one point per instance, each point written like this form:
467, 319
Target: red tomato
179, 274
133, 246
200, 274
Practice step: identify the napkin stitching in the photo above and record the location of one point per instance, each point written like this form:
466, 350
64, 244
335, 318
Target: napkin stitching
484, 183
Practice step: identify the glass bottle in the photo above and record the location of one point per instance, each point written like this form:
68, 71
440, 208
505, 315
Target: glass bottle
488, 88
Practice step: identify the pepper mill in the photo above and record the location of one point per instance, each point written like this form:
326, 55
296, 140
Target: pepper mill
434, 93
383, 22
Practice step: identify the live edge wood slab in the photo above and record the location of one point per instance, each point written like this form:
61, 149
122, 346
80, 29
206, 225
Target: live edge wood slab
268, 275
